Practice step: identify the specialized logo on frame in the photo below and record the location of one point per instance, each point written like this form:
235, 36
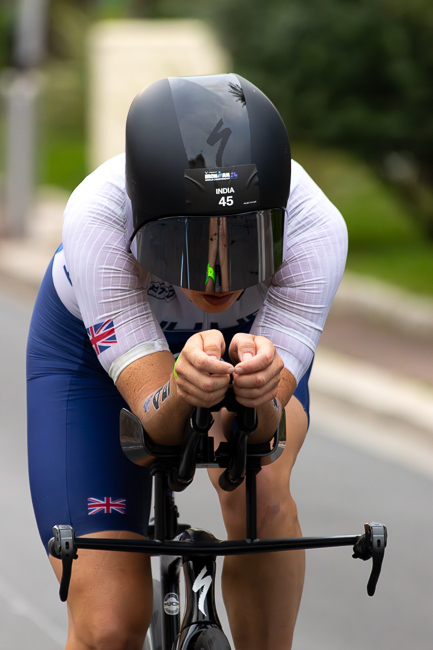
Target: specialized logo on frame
201, 586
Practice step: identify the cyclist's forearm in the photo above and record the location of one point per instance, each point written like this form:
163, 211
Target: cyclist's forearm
147, 385
164, 414
268, 418
269, 414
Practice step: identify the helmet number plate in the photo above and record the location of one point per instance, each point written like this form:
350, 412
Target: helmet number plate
210, 191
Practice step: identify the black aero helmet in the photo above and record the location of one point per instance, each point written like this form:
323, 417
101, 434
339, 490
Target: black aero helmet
208, 176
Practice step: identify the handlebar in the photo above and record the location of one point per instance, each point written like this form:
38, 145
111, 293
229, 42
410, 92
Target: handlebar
198, 448
370, 545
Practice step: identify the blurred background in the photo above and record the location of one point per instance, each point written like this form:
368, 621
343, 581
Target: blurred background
352, 81
354, 84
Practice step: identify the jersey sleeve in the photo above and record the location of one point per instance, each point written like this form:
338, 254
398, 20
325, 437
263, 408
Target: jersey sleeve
108, 282
301, 292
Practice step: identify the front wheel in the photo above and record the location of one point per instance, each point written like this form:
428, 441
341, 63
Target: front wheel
212, 639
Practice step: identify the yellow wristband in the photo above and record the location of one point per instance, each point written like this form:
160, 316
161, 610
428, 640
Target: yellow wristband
174, 367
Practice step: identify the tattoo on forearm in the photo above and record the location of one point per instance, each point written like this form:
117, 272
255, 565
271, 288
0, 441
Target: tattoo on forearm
158, 398
276, 404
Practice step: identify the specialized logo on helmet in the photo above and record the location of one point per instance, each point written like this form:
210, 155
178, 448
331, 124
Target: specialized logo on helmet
216, 136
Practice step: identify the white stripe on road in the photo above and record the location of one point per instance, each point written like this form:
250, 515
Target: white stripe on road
374, 388
391, 441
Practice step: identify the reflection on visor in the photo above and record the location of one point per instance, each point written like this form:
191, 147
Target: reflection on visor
213, 253
217, 273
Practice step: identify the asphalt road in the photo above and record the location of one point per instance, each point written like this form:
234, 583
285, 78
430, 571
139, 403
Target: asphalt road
31, 616
340, 482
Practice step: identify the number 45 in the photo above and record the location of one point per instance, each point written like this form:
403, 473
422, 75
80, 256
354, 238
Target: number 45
226, 201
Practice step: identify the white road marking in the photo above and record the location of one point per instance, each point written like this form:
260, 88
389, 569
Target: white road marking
392, 441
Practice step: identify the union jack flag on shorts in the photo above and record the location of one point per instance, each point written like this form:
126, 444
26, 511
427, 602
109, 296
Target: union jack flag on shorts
102, 335
106, 506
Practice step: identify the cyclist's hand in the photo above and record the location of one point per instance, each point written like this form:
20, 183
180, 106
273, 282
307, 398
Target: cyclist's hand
201, 377
257, 369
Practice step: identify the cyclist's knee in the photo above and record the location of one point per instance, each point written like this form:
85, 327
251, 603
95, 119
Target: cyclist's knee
276, 508
278, 514
110, 599
108, 630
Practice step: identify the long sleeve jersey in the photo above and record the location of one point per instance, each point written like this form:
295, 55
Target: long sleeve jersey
128, 313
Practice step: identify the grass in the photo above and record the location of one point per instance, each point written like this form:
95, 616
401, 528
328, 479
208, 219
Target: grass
409, 267
385, 239
63, 158
61, 154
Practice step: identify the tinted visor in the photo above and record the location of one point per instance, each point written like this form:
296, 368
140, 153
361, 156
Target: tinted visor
213, 253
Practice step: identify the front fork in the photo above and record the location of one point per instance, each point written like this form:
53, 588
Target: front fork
199, 573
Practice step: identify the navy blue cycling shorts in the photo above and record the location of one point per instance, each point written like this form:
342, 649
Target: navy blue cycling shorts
79, 475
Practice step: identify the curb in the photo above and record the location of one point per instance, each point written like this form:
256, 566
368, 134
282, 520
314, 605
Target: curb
383, 303
380, 391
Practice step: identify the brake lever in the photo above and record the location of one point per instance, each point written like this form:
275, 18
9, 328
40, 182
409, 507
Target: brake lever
62, 547
372, 545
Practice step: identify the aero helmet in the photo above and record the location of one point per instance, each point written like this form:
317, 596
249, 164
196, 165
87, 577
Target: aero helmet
208, 176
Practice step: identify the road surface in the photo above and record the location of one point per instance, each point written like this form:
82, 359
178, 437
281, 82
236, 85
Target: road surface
340, 481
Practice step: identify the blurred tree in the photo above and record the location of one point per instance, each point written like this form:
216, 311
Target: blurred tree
6, 32
356, 74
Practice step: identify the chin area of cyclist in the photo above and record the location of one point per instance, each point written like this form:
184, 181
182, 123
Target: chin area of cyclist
201, 257
212, 302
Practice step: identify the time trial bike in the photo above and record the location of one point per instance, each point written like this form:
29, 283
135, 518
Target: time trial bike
194, 549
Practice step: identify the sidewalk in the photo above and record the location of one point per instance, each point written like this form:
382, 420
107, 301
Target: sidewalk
25, 260
376, 351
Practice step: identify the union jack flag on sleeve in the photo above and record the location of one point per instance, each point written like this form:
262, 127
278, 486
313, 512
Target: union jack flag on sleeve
102, 335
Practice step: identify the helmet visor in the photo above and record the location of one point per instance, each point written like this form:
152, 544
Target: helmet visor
215, 254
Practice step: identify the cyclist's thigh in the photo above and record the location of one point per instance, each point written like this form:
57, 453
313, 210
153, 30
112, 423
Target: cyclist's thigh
78, 472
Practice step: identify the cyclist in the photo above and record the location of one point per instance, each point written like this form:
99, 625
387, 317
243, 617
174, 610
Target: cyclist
204, 239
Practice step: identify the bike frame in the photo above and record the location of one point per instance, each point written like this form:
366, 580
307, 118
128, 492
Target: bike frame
173, 469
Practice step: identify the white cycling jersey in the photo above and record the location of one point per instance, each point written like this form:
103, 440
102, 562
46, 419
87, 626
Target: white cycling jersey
126, 310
